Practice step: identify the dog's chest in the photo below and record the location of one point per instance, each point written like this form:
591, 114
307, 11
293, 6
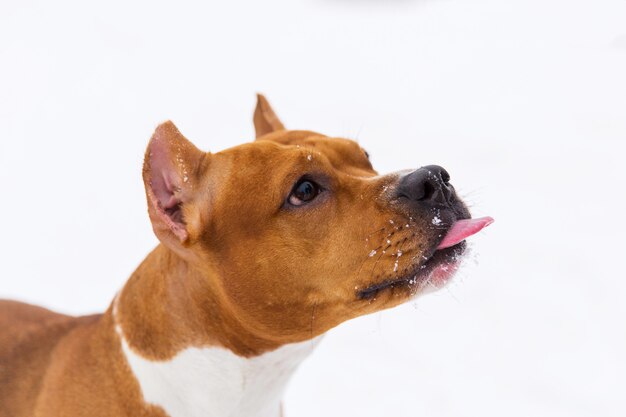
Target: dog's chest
214, 382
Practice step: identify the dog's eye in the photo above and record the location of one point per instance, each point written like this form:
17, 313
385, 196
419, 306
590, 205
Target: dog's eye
367, 154
303, 192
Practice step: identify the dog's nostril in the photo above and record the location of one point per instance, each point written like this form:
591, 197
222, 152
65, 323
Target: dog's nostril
445, 176
428, 191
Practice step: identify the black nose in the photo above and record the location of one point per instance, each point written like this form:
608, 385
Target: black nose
429, 184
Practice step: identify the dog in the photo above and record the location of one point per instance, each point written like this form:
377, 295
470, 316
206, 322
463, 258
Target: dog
263, 248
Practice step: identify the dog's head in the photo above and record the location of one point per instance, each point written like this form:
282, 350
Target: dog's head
297, 231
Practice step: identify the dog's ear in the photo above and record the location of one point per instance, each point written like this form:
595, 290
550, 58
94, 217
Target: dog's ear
265, 120
170, 173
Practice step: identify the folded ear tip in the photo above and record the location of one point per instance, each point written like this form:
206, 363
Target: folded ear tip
264, 118
261, 101
159, 144
165, 128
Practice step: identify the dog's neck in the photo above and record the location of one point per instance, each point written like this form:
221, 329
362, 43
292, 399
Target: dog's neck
188, 354
168, 304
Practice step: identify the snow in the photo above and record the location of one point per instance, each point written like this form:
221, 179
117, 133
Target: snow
522, 101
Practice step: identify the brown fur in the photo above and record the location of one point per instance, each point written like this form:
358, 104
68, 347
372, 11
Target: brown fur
236, 268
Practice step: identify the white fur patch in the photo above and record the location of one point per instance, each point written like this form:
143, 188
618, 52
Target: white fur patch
214, 382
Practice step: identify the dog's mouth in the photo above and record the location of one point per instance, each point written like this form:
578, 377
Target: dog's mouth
433, 271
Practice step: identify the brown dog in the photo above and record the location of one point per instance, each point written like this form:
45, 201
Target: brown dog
263, 246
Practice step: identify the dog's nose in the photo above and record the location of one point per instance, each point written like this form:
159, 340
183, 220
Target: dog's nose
429, 184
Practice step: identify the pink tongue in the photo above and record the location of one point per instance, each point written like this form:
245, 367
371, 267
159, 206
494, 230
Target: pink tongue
464, 229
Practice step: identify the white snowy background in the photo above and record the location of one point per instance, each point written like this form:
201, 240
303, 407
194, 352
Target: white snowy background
523, 101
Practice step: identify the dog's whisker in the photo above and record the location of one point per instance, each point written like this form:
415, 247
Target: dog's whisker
376, 263
370, 255
375, 231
